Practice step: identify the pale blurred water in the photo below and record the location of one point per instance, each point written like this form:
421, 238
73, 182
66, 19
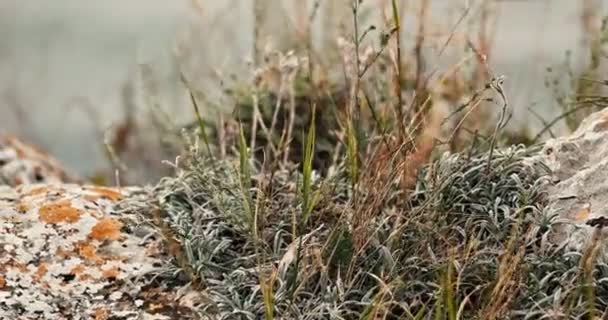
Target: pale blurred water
64, 63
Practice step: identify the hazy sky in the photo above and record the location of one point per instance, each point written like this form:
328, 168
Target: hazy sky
55, 55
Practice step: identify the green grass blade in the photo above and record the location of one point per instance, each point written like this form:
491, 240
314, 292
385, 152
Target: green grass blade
307, 192
245, 179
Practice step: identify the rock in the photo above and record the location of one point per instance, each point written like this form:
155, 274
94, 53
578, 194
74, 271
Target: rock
579, 195
69, 251
21, 163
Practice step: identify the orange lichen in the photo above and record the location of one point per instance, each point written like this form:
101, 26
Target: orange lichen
22, 207
59, 211
101, 313
63, 253
106, 229
79, 271
38, 190
2, 281
88, 252
17, 265
41, 271
154, 307
583, 213
105, 192
111, 272
85, 277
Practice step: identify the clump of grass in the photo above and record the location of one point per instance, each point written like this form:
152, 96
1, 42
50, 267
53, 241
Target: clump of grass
334, 204
271, 141
465, 244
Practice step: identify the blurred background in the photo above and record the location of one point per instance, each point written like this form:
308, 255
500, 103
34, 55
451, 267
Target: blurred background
69, 69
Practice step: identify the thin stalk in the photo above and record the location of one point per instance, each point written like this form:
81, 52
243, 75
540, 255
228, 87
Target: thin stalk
399, 107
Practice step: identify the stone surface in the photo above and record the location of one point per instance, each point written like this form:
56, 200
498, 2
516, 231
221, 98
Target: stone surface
579, 195
72, 251
22, 163
69, 252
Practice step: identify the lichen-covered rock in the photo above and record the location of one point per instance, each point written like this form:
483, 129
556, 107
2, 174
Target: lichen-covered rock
21, 163
579, 195
69, 252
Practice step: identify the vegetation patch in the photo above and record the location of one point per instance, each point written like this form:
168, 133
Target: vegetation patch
469, 241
